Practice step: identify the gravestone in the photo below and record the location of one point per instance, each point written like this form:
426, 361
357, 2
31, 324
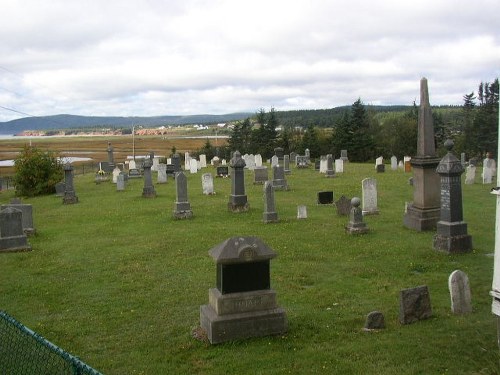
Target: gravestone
27, 214
381, 168
369, 195
162, 174
379, 161
339, 166
148, 190
414, 304
203, 161
171, 170
458, 284
489, 169
238, 201
301, 212
279, 181
423, 213
374, 320
407, 164
134, 173
470, 174
322, 164
12, 236
132, 164
325, 197
462, 159
258, 160
293, 158
394, 163
187, 161
60, 188
401, 165
330, 172
120, 182
343, 155
307, 154
243, 305
270, 215
222, 171
286, 164
317, 165
207, 184
451, 234
280, 153
69, 191
182, 206
274, 161
193, 166
116, 172
301, 162
260, 175
111, 160
223, 162
343, 206
356, 224
156, 163
176, 162
215, 161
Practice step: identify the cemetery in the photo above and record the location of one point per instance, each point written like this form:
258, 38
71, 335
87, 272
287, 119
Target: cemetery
118, 281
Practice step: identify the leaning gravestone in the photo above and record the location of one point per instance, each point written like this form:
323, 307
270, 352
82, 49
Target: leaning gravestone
69, 192
207, 184
12, 236
270, 215
414, 304
356, 224
27, 214
343, 206
182, 205
148, 190
458, 284
369, 195
243, 305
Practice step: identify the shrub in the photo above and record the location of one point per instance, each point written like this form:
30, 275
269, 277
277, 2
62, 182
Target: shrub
36, 172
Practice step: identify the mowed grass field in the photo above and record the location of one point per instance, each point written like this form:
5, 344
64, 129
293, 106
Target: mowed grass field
116, 281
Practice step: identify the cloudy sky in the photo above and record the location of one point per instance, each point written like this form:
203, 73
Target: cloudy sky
173, 57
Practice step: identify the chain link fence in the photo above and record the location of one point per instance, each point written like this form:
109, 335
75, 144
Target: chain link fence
24, 352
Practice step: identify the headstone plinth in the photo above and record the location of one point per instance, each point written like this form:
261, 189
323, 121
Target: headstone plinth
238, 201
243, 305
12, 236
423, 213
451, 234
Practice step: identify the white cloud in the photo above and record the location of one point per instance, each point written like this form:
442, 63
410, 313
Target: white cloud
193, 56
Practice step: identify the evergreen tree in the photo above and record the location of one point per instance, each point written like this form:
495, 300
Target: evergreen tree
310, 141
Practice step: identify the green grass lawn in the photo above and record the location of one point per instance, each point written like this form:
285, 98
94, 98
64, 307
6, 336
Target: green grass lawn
116, 281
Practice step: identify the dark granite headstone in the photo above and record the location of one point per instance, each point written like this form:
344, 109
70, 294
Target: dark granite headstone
243, 305
270, 215
238, 201
414, 304
325, 197
27, 214
12, 236
171, 170
260, 175
60, 188
134, 173
69, 192
222, 171
343, 206
182, 205
380, 168
148, 190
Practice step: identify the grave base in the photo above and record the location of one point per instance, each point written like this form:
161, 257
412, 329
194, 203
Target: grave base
270, 217
453, 244
330, 174
280, 185
243, 325
357, 228
149, 192
237, 207
70, 199
183, 214
421, 219
14, 244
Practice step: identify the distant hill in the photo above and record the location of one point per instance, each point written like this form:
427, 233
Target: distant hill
72, 121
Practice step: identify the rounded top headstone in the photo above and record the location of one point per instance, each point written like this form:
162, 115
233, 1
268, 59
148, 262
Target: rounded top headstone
355, 202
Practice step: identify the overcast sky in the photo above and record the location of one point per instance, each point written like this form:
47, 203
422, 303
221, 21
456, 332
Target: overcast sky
174, 57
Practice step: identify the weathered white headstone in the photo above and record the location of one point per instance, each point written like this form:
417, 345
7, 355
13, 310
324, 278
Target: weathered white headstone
187, 161
258, 160
203, 161
379, 161
339, 166
301, 212
369, 192
394, 163
223, 162
274, 161
470, 174
193, 166
401, 165
322, 164
207, 183
489, 168
116, 172
156, 161
458, 284
132, 165
162, 173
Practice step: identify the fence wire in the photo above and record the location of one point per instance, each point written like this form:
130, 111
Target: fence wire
24, 352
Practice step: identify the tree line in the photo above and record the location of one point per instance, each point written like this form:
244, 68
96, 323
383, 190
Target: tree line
371, 131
